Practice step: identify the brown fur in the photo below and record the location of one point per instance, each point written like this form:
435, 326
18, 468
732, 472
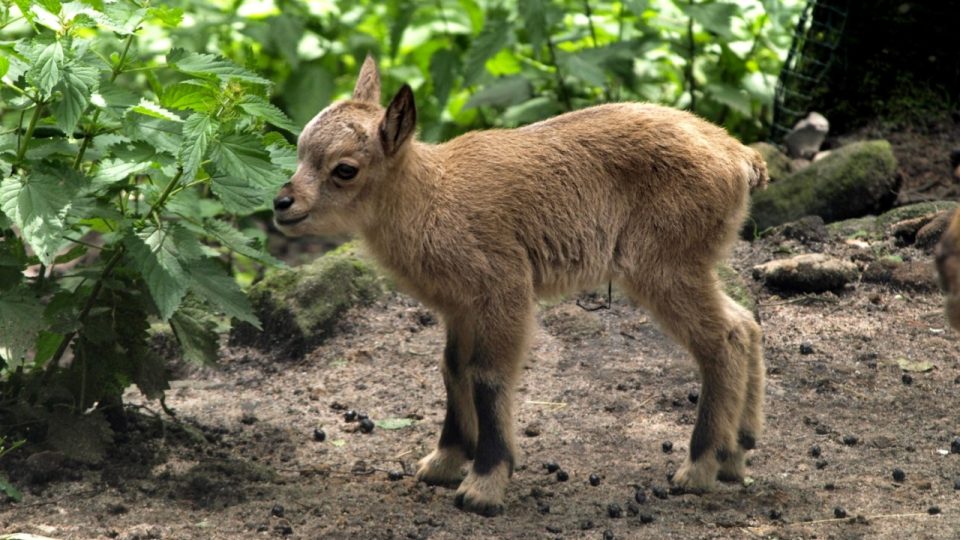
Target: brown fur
479, 227
948, 265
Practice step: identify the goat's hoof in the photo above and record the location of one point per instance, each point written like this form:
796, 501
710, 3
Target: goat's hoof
696, 476
734, 469
442, 467
482, 494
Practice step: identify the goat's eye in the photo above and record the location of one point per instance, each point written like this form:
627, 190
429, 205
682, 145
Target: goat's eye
344, 171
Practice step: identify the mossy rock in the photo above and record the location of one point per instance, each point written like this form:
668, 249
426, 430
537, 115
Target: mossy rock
736, 287
861, 228
854, 180
778, 164
299, 307
910, 211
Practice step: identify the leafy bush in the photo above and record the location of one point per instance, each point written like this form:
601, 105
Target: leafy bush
139, 142
110, 153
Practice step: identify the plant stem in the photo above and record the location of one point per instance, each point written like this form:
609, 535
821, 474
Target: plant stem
167, 191
117, 69
561, 87
22, 151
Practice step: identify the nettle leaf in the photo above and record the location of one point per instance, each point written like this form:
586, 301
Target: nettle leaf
42, 16
198, 130
444, 65
400, 13
503, 92
163, 135
493, 37
243, 157
39, 205
112, 170
21, 320
77, 85
283, 155
714, 17
239, 196
149, 108
209, 65
240, 243
45, 73
196, 330
534, 14
193, 95
169, 16
210, 280
731, 96
152, 253
261, 108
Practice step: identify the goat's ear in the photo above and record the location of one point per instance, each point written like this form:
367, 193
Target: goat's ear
399, 121
368, 82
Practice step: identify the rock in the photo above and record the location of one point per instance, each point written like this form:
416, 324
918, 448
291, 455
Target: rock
910, 211
910, 276
859, 228
905, 232
854, 180
811, 272
299, 307
929, 234
736, 287
807, 135
778, 164
807, 229
821, 155
45, 466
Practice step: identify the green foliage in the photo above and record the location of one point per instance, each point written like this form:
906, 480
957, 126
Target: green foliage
126, 174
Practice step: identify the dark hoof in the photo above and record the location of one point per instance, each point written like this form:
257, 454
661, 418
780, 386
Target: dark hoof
483, 509
729, 477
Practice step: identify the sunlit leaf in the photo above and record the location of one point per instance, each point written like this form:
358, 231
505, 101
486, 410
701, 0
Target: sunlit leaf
493, 37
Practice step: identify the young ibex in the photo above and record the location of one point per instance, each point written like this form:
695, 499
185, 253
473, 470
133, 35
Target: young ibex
948, 265
478, 227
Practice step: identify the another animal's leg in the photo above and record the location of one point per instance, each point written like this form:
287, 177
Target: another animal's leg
751, 419
499, 347
458, 438
689, 305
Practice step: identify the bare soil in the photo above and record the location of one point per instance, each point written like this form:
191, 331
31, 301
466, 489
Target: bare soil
602, 393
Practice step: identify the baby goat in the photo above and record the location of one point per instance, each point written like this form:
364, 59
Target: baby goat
478, 227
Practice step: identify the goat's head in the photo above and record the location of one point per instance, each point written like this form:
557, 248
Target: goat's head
344, 155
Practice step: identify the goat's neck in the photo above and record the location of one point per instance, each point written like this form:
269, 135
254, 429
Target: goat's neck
405, 206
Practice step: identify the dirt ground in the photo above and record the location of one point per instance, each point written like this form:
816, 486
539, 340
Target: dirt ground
602, 394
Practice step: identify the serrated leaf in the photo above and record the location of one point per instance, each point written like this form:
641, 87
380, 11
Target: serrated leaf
501, 93
243, 157
240, 243
443, 73
261, 108
239, 196
40, 206
731, 96
714, 17
77, 85
534, 14
399, 13
195, 330
21, 320
41, 15
209, 65
14, 494
584, 68
113, 170
167, 15
163, 135
210, 281
193, 95
45, 74
152, 252
198, 131
149, 108
394, 423
283, 155
150, 374
493, 37
533, 110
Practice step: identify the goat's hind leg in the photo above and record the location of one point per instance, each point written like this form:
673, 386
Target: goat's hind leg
458, 438
692, 309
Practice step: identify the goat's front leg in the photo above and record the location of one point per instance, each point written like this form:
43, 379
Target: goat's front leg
497, 355
458, 438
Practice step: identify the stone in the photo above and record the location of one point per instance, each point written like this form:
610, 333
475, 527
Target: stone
807, 135
929, 234
910, 211
778, 164
810, 272
916, 276
808, 229
300, 307
853, 181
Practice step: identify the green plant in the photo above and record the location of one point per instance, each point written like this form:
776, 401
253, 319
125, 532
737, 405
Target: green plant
6, 487
126, 175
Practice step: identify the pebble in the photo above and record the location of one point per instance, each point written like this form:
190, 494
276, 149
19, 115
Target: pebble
646, 518
850, 440
551, 467
562, 476
899, 475
277, 510
806, 348
366, 425
319, 435
614, 511
955, 446
839, 513
667, 447
815, 451
594, 480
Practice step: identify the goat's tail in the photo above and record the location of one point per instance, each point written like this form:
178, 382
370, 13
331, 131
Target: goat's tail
757, 175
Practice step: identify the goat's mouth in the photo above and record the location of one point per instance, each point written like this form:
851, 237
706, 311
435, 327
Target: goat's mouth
286, 222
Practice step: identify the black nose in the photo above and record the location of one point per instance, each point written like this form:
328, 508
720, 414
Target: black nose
282, 203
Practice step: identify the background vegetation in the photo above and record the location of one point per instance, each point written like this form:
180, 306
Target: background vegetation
140, 143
